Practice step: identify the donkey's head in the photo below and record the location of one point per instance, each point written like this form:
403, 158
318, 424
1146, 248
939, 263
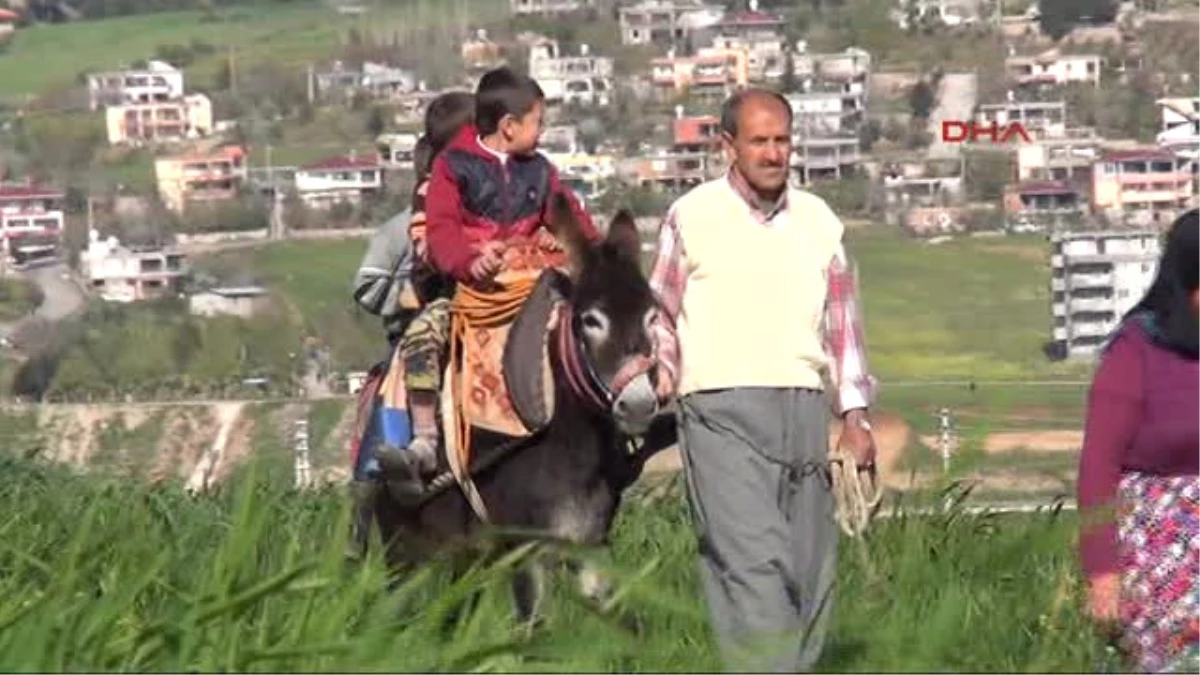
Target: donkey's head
612, 308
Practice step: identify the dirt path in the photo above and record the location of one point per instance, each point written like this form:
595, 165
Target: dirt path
204, 472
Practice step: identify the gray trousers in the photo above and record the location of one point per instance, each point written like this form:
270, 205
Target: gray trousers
755, 460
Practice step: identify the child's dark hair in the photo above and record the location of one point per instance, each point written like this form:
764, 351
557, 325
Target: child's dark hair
504, 92
445, 115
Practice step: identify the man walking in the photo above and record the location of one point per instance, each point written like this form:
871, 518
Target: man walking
758, 300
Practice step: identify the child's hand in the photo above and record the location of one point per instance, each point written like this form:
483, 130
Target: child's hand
548, 241
486, 265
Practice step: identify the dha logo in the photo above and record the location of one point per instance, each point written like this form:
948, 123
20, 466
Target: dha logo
954, 131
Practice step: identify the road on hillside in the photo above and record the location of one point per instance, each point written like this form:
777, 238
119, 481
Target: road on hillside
956, 96
61, 296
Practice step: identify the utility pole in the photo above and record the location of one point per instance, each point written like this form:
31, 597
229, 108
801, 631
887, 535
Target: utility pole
232, 69
311, 92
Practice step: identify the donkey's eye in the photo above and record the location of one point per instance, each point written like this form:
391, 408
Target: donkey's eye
594, 323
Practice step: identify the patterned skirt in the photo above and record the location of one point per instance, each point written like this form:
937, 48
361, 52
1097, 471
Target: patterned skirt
1159, 532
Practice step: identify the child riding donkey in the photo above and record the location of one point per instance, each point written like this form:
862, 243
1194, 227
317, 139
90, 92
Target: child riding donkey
395, 280
488, 187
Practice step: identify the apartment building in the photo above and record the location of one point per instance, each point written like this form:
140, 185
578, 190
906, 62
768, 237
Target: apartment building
343, 179
1041, 119
711, 74
750, 24
1069, 157
817, 158
377, 80
119, 273
213, 175
826, 108
156, 83
948, 13
1054, 68
584, 79
1043, 205
665, 22
1145, 188
766, 56
31, 215
1095, 277
158, 122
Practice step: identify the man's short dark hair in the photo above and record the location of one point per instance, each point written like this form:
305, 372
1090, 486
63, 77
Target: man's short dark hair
504, 92
732, 108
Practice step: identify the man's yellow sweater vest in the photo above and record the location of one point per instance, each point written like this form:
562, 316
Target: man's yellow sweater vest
755, 296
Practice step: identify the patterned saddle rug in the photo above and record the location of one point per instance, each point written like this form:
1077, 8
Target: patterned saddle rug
502, 380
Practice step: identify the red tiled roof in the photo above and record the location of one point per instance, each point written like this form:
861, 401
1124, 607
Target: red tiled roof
1046, 187
343, 162
28, 192
1146, 155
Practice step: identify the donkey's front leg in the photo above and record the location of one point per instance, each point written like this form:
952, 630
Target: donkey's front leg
529, 585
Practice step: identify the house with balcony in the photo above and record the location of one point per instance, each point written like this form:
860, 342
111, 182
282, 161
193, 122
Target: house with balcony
548, 7
587, 174
341, 82
1041, 119
905, 194
666, 22
1054, 68
1032, 206
200, 177
1180, 132
948, 13
1066, 158
189, 117
1145, 188
766, 56
817, 158
158, 82
666, 169
711, 74
343, 179
828, 108
695, 133
851, 65
1095, 278
584, 79
750, 24
396, 150
120, 273
31, 215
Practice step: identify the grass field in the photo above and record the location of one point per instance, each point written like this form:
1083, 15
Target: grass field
47, 56
251, 579
974, 308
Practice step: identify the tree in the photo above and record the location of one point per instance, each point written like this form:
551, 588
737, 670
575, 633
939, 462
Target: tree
788, 83
921, 99
376, 121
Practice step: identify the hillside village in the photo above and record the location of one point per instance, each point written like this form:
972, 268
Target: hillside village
1098, 142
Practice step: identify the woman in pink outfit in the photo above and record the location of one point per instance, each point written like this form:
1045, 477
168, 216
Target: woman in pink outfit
1139, 494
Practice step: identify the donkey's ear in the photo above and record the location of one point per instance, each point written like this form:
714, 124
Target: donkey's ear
623, 235
565, 227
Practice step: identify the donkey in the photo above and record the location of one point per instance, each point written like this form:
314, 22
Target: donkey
565, 482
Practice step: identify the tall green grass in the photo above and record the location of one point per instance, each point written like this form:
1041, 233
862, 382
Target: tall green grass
102, 575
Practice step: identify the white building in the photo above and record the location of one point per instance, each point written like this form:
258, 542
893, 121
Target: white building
188, 117
29, 213
1181, 131
240, 301
122, 274
584, 79
1054, 68
397, 150
157, 82
338, 179
1095, 277
546, 7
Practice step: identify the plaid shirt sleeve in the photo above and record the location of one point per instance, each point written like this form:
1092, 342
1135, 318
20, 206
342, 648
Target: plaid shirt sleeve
843, 337
668, 280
